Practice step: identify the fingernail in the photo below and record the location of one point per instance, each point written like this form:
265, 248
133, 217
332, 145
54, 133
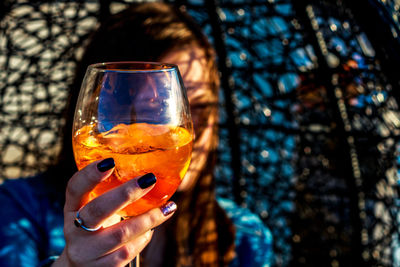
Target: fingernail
168, 208
106, 164
146, 180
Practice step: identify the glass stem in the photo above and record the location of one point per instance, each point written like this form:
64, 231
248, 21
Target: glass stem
136, 261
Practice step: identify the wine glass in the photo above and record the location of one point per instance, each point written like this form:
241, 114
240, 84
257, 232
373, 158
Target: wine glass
138, 114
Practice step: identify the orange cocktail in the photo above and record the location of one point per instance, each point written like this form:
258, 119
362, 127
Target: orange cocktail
137, 149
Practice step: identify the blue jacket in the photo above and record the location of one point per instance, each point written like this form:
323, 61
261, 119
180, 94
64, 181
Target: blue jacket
31, 229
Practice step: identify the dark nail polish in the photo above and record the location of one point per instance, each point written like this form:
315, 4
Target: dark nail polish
106, 164
146, 180
168, 208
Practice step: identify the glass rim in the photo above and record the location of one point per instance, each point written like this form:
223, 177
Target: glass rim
132, 66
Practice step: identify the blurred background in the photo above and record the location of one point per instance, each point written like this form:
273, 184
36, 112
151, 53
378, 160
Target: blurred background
310, 117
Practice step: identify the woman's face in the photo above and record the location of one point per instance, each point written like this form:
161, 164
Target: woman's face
196, 78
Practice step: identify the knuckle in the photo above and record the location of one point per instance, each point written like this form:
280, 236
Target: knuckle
153, 219
120, 235
124, 253
89, 175
128, 193
93, 211
71, 189
147, 236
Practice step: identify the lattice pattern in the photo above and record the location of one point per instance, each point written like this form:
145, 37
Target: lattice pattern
317, 124
309, 114
351, 183
37, 63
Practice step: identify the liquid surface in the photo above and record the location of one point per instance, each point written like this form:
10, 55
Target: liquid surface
137, 149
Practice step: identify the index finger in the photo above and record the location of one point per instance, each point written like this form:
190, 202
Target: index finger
85, 180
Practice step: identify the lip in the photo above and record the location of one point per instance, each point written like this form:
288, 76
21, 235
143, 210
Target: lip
132, 66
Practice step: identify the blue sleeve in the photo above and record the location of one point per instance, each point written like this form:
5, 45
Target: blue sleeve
31, 223
19, 238
253, 239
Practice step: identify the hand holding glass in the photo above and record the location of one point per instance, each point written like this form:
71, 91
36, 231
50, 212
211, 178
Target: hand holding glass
138, 114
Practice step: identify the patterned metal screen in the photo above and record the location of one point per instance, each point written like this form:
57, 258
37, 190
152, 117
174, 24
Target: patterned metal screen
310, 118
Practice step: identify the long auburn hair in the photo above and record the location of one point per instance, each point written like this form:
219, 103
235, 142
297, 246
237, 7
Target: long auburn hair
199, 234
